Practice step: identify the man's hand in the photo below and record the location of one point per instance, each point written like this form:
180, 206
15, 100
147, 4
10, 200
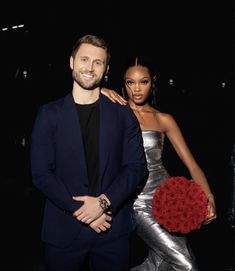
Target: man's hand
89, 211
102, 224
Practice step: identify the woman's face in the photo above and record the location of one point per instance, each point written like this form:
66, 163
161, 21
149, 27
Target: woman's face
138, 84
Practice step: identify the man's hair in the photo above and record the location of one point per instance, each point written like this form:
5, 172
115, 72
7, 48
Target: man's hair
93, 40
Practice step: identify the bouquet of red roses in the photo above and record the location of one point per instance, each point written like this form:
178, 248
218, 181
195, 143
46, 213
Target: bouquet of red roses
179, 205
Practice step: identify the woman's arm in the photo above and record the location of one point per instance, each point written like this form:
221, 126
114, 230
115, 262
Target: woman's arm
177, 140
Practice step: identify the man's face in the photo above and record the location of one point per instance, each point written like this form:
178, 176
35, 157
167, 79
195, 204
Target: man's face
88, 66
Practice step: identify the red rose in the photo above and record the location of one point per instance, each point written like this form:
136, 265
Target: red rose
179, 205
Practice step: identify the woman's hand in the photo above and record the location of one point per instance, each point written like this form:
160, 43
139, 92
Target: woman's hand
113, 96
211, 209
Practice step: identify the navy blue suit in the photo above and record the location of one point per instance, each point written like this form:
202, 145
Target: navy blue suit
59, 168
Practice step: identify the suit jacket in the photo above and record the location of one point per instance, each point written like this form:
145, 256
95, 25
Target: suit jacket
59, 167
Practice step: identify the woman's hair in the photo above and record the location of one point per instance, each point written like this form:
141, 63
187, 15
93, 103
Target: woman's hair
93, 40
141, 61
146, 63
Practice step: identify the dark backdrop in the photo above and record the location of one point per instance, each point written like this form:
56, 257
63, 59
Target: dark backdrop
190, 43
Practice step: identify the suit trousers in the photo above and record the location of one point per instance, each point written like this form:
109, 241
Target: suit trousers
102, 255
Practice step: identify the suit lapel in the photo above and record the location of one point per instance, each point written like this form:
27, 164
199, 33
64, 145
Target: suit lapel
73, 130
105, 136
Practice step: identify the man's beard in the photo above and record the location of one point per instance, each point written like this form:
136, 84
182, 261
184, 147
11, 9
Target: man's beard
86, 85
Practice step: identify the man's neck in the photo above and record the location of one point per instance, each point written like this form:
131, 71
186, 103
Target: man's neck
83, 96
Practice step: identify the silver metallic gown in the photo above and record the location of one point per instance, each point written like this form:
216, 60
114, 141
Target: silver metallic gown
166, 251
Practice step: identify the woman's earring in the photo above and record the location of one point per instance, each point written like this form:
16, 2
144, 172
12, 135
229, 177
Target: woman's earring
154, 94
153, 86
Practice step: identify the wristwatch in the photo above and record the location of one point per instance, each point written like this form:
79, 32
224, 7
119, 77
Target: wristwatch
104, 204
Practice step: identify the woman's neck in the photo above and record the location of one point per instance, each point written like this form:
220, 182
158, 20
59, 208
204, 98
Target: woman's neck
137, 107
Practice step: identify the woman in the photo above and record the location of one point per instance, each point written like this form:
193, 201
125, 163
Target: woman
167, 251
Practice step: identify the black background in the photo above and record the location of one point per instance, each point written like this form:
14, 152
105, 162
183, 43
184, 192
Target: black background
191, 43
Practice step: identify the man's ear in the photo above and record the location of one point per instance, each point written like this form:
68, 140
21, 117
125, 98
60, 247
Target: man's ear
71, 62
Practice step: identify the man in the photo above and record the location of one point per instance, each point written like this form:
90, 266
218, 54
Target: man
87, 159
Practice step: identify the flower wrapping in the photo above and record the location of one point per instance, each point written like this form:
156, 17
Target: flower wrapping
179, 205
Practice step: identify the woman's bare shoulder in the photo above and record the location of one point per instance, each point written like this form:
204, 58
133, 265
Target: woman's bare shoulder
164, 116
166, 120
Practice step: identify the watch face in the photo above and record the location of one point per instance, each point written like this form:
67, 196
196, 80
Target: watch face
103, 204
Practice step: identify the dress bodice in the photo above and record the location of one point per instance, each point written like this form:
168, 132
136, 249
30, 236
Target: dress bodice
153, 146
